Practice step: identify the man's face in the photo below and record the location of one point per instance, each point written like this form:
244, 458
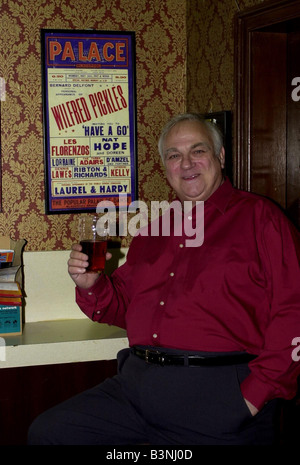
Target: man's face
192, 168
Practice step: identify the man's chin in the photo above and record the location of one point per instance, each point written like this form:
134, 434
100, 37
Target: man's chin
191, 197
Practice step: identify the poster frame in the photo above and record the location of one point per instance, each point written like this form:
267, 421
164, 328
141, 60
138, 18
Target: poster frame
70, 203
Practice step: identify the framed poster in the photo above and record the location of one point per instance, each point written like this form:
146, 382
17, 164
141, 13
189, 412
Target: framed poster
89, 110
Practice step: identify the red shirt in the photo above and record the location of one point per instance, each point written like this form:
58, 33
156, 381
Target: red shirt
238, 291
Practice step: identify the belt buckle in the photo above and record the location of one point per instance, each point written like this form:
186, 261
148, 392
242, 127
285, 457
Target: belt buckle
147, 355
159, 354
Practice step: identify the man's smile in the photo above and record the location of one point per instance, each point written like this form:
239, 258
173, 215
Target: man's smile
190, 177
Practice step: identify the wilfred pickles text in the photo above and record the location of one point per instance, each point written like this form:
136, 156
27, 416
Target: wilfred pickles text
77, 111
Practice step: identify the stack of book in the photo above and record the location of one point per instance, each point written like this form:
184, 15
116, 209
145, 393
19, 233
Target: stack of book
10, 296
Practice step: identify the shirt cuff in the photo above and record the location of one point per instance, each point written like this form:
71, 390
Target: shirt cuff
90, 290
87, 299
257, 392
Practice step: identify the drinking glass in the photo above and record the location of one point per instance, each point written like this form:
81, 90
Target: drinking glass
93, 235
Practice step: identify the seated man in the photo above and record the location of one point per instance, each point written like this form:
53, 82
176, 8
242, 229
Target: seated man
210, 328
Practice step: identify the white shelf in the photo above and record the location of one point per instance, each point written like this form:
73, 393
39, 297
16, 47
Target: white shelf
62, 341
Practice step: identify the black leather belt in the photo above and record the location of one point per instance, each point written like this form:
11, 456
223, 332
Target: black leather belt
162, 358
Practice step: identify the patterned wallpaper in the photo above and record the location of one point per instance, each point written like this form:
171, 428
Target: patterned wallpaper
210, 38
171, 77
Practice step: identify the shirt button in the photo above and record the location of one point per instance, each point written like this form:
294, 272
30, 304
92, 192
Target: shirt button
90, 293
190, 218
155, 335
98, 312
172, 274
181, 246
161, 302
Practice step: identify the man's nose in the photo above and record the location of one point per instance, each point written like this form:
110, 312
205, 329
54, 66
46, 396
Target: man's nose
187, 161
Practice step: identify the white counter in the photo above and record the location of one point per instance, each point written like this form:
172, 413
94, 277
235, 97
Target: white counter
62, 341
55, 329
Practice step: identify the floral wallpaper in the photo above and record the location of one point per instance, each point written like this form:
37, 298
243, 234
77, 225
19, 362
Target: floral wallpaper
210, 38
184, 60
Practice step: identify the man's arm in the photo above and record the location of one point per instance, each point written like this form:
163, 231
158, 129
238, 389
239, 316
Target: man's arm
274, 373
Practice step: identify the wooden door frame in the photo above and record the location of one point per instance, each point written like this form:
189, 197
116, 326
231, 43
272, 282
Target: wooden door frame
264, 15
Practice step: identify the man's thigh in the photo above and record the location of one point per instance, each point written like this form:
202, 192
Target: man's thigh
99, 416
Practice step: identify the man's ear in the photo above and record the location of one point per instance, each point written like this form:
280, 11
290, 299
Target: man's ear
222, 157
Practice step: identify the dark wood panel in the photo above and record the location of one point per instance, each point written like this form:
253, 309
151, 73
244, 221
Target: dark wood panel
293, 128
268, 116
26, 392
276, 16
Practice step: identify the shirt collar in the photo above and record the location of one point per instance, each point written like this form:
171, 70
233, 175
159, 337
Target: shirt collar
221, 197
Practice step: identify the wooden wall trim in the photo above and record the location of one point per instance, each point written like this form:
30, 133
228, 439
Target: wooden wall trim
264, 15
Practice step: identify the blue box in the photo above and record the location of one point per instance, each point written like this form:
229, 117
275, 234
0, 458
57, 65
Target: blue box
10, 319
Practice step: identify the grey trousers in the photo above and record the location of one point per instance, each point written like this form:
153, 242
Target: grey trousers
150, 404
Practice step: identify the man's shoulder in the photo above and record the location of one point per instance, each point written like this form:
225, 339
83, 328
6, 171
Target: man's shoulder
256, 200
259, 207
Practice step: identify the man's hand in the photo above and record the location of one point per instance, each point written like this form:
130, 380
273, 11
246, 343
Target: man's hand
77, 265
253, 410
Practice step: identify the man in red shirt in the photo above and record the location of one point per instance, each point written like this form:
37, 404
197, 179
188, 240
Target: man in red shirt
210, 328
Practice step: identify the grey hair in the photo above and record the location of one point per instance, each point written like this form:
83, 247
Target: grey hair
212, 128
